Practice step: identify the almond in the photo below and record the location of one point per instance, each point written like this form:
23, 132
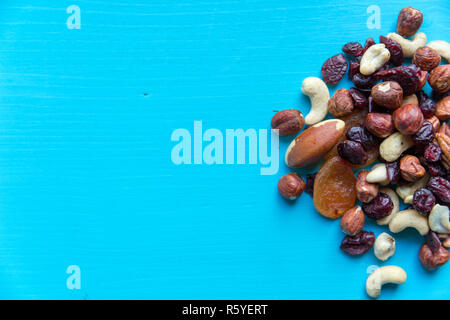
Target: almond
313, 143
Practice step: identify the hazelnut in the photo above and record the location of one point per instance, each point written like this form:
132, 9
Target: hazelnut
408, 119
291, 186
432, 260
409, 21
439, 78
379, 124
288, 122
435, 122
365, 191
341, 103
443, 108
423, 79
388, 94
352, 221
443, 138
411, 169
426, 58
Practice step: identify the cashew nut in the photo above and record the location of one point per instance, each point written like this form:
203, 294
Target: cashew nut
439, 219
406, 191
391, 193
381, 276
441, 47
409, 47
394, 145
384, 246
318, 93
409, 218
378, 174
412, 99
374, 58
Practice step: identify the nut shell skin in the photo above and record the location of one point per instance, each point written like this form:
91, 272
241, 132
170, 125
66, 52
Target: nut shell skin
352, 222
411, 169
291, 186
408, 119
341, 103
435, 122
388, 94
409, 21
432, 260
439, 78
426, 58
313, 143
379, 124
288, 122
365, 191
443, 109
443, 138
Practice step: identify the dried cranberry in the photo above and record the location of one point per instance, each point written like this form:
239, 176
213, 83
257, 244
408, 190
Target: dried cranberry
361, 135
441, 189
433, 242
310, 178
425, 134
353, 48
408, 77
393, 171
369, 42
428, 108
359, 244
359, 99
432, 152
353, 68
334, 69
352, 151
423, 201
394, 49
381, 206
434, 169
363, 82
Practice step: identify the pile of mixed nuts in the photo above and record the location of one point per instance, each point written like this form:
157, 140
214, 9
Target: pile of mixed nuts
393, 121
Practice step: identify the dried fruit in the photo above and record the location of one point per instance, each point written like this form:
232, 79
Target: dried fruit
409, 21
381, 206
288, 122
425, 134
363, 82
428, 108
310, 183
358, 244
433, 242
359, 99
353, 68
334, 188
352, 151
334, 69
432, 152
393, 171
369, 42
440, 188
353, 48
423, 201
408, 77
361, 135
394, 49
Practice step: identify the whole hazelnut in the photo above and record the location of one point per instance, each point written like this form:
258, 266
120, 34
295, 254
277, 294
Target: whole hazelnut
409, 21
432, 260
422, 78
291, 186
443, 108
352, 222
388, 94
408, 119
288, 122
365, 191
435, 122
341, 103
379, 124
426, 58
411, 169
439, 78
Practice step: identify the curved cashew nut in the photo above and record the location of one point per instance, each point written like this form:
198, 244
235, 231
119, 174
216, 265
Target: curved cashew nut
441, 47
384, 246
378, 174
394, 145
373, 59
406, 191
412, 99
318, 93
387, 274
439, 219
409, 47
409, 218
391, 193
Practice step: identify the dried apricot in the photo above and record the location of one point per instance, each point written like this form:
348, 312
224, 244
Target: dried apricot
334, 188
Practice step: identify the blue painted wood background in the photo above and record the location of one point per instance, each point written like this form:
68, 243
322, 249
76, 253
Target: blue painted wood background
86, 174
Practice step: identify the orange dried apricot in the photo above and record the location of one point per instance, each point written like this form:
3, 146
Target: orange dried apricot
334, 188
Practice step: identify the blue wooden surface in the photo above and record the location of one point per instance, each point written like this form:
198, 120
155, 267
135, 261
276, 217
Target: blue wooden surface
86, 175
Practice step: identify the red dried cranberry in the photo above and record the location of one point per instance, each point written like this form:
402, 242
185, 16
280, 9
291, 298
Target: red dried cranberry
359, 99
359, 244
310, 178
425, 134
393, 171
394, 49
353, 68
428, 108
432, 152
408, 77
434, 169
363, 82
334, 69
352, 151
381, 206
423, 201
361, 135
433, 242
353, 48
441, 189
369, 42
